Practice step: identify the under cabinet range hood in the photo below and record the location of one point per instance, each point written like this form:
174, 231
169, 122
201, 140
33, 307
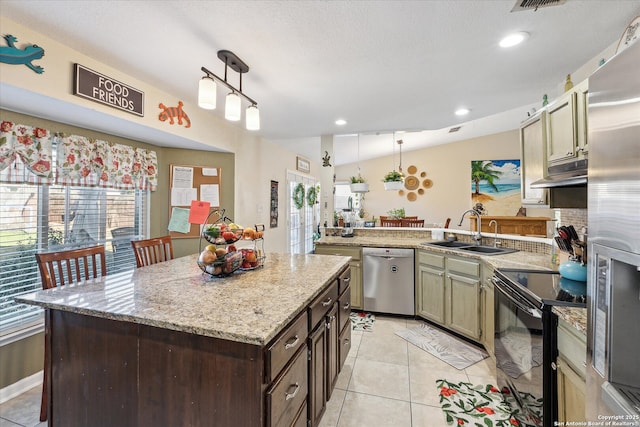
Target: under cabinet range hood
567, 174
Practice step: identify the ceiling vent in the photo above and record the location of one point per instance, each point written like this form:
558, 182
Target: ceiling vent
535, 4
455, 129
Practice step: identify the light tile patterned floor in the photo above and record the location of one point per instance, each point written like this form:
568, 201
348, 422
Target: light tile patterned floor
385, 382
388, 382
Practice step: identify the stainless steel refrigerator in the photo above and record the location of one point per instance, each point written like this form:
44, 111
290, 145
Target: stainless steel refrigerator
613, 293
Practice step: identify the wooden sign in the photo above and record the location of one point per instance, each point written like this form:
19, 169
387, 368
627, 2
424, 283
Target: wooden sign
105, 90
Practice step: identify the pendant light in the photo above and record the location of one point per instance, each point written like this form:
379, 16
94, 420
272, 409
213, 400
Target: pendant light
233, 102
253, 117
207, 93
233, 107
359, 187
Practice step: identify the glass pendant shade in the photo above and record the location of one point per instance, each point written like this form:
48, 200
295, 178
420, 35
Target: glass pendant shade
233, 107
253, 118
207, 93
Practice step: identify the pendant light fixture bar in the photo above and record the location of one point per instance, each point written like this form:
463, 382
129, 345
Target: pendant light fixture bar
207, 91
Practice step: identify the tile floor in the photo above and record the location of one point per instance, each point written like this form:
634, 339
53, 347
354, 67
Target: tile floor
385, 382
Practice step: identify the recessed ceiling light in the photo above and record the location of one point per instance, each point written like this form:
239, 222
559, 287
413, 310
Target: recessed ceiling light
341, 122
462, 111
514, 39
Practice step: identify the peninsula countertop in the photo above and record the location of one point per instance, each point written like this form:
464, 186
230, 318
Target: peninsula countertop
250, 307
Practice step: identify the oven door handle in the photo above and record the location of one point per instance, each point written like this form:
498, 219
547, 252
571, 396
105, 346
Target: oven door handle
533, 312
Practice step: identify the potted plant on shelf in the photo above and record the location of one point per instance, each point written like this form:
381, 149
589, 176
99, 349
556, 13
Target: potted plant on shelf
393, 180
358, 185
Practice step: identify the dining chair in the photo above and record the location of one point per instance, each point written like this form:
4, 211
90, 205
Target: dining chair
152, 251
59, 269
447, 222
410, 217
413, 223
389, 222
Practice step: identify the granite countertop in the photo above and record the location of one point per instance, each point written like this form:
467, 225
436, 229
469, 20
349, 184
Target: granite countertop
521, 259
250, 307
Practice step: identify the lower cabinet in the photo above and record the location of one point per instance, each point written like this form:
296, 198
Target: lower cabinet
570, 367
448, 292
355, 266
329, 342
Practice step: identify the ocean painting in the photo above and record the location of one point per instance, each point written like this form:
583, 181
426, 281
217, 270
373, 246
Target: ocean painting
496, 184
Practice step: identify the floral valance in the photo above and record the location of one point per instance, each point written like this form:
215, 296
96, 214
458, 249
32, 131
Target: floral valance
79, 161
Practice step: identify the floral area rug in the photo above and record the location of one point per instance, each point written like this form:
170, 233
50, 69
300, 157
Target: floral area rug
445, 347
485, 406
361, 321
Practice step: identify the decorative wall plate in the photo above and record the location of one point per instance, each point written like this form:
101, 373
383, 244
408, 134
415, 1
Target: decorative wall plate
412, 169
420, 191
427, 183
412, 196
423, 174
401, 192
411, 183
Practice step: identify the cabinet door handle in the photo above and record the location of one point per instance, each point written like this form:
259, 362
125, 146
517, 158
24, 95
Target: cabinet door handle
347, 342
346, 306
327, 302
289, 396
569, 153
292, 342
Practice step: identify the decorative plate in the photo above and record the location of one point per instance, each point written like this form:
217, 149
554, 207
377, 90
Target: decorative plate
630, 35
412, 196
412, 169
401, 192
420, 191
411, 183
427, 183
423, 174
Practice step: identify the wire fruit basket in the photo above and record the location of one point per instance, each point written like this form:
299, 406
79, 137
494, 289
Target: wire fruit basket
230, 247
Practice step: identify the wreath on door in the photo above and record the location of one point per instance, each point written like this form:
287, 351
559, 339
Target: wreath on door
298, 196
311, 196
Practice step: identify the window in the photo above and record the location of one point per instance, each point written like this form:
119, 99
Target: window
40, 218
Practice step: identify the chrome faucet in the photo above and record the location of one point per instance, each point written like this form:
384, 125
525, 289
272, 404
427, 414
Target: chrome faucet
478, 236
495, 235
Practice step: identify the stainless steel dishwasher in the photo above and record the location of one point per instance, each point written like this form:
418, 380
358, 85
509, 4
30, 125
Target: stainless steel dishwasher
388, 280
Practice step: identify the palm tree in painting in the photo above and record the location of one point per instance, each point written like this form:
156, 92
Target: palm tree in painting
482, 170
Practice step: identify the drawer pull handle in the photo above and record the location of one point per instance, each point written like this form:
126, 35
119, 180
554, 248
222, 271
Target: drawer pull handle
292, 342
347, 279
346, 306
327, 302
347, 341
289, 396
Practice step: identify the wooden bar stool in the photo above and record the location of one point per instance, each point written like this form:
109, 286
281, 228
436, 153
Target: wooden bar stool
152, 251
59, 269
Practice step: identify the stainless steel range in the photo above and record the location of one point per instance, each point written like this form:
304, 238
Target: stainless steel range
526, 339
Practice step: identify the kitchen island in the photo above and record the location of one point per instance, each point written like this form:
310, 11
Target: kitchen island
166, 345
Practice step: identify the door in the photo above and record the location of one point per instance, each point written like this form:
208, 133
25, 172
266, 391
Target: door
333, 358
534, 158
303, 216
463, 303
317, 373
431, 294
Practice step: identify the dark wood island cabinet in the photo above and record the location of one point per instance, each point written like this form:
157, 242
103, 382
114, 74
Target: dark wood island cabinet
164, 346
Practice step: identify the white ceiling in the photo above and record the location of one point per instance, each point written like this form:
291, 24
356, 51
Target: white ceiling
383, 66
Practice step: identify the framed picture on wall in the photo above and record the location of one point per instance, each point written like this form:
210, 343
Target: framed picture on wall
303, 165
273, 210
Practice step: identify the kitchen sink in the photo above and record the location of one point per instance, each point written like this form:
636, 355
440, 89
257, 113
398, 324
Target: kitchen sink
448, 244
487, 250
470, 247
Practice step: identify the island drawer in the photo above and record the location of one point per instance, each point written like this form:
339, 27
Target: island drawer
344, 280
286, 344
344, 309
289, 393
322, 304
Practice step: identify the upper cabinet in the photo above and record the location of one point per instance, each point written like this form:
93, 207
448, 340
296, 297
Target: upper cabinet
567, 125
534, 158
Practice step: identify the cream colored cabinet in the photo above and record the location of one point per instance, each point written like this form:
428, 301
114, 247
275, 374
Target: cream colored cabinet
570, 366
355, 265
488, 309
533, 151
448, 292
430, 289
567, 125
